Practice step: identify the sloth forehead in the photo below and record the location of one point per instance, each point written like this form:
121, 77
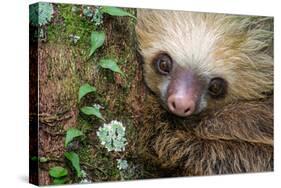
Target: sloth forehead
189, 46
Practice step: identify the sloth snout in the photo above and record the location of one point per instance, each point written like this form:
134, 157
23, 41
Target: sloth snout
181, 105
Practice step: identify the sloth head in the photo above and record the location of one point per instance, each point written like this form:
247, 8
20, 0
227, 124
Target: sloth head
199, 61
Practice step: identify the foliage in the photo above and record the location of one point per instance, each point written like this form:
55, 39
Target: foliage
40, 159
40, 13
34, 158
96, 14
71, 134
43, 159
69, 26
89, 110
59, 181
114, 11
112, 136
85, 89
97, 40
58, 172
74, 159
111, 65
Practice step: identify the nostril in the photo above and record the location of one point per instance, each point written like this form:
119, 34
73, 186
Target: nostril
187, 110
180, 105
174, 105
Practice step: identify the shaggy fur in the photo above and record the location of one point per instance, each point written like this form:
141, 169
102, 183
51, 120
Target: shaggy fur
230, 135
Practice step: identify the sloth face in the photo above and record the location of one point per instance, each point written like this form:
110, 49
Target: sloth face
183, 91
198, 61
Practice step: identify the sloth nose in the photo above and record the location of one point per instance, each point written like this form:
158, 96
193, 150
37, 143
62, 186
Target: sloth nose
181, 105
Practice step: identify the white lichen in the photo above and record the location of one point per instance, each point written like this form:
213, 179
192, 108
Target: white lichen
84, 177
98, 106
122, 164
112, 136
41, 13
74, 38
86, 181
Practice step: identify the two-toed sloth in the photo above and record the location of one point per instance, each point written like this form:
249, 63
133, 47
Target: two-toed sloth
212, 79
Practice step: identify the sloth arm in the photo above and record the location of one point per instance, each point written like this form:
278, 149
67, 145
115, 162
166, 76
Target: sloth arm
235, 139
196, 156
248, 121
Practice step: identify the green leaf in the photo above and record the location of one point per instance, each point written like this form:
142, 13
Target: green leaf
112, 65
88, 110
84, 90
71, 134
97, 40
114, 11
40, 159
58, 172
34, 158
59, 181
74, 159
43, 159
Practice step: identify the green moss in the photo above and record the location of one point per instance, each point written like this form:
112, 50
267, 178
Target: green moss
86, 154
70, 23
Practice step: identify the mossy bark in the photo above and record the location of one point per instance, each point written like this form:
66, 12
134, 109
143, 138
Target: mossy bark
63, 67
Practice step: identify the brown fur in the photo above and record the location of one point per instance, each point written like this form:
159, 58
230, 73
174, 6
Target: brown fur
232, 135
234, 139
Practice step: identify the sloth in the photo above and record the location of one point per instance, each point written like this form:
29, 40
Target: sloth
210, 110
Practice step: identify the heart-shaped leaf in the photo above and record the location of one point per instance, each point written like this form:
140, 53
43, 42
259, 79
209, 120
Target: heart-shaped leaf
114, 11
71, 134
97, 40
58, 172
111, 64
84, 90
59, 181
74, 159
88, 110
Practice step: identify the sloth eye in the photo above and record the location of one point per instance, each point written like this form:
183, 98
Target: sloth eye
164, 64
217, 87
